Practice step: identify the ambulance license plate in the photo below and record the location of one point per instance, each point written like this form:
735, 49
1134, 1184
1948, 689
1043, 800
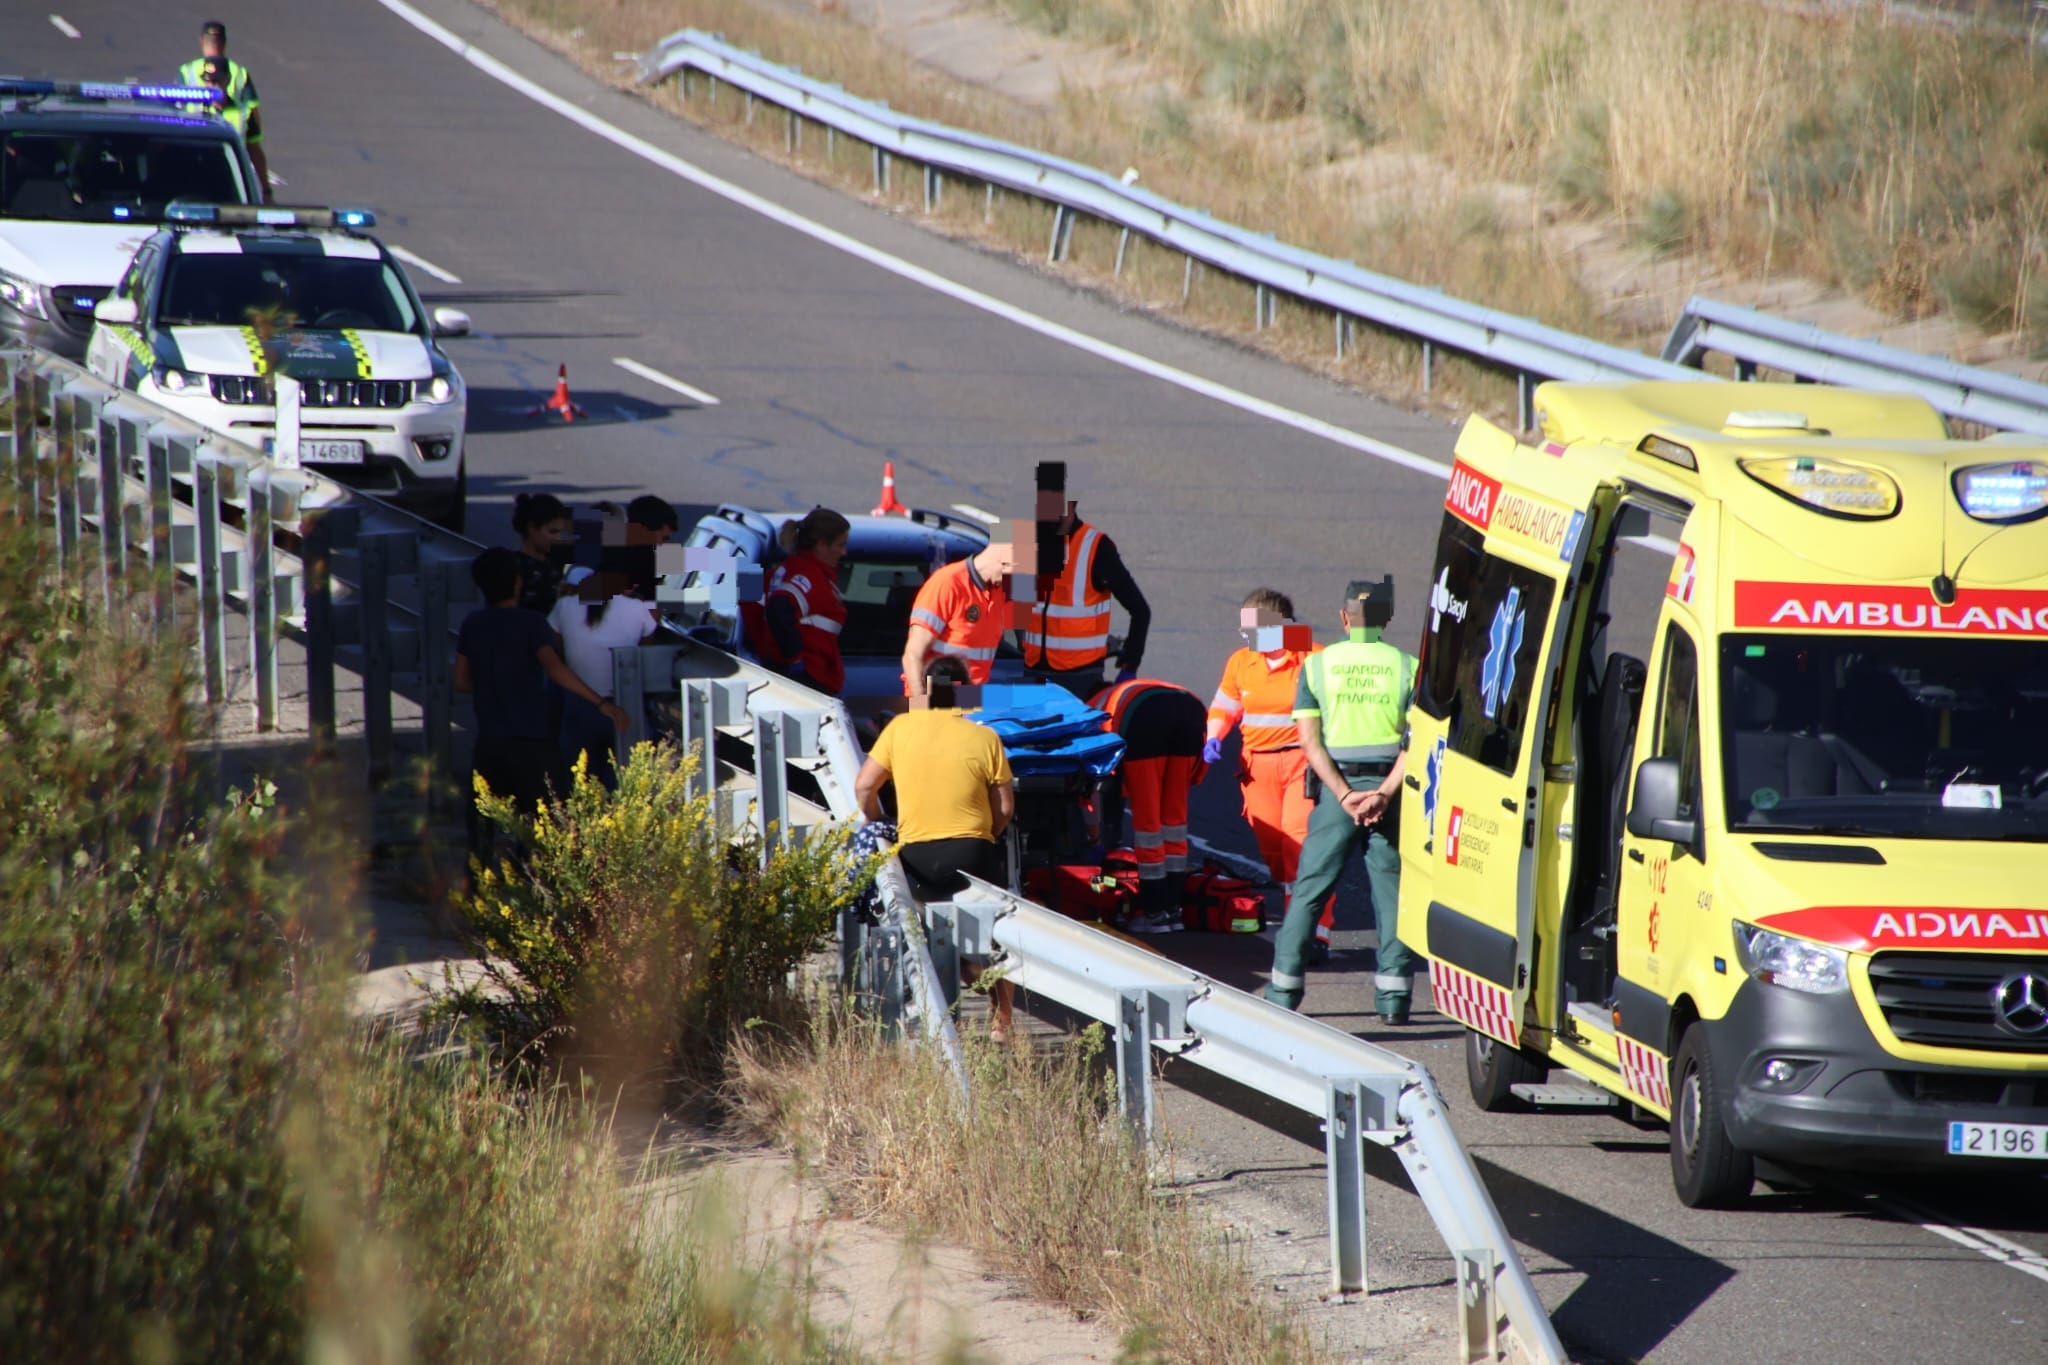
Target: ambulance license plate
331, 452
2021, 1140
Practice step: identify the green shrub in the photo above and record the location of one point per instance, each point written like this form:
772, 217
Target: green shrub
1582, 168
1982, 287
635, 932
1666, 224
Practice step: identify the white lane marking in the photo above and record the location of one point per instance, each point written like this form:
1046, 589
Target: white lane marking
2003, 1250
423, 263
64, 26
896, 265
667, 381
971, 510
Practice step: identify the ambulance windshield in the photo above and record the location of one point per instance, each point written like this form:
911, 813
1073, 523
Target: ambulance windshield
1886, 736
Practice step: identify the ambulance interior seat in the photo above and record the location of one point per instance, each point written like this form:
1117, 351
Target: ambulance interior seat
1610, 740
1777, 752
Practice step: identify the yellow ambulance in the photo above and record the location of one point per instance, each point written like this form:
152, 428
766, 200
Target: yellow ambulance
1780, 874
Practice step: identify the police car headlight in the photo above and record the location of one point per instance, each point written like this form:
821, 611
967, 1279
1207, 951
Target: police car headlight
1793, 963
25, 296
178, 381
436, 391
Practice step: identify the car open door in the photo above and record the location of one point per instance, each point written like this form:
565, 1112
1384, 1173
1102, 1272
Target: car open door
1509, 558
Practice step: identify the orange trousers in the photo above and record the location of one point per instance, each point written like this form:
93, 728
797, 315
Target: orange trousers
1277, 807
1156, 791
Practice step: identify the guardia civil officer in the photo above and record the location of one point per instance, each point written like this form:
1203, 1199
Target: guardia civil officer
1349, 709
213, 67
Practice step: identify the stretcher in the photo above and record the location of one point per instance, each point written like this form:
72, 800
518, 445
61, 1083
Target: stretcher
1060, 755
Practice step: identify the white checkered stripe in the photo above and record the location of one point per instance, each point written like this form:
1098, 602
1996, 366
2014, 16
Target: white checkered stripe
1475, 1002
1645, 1071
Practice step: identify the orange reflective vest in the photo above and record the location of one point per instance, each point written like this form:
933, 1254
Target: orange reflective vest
965, 616
1069, 627
1260, 698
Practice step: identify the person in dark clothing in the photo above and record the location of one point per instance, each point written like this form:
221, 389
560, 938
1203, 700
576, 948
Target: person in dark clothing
503, 654
650, 521
547, 547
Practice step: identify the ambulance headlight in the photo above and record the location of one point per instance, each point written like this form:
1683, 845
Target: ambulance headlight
1794, 963
2003, 492
1837, 487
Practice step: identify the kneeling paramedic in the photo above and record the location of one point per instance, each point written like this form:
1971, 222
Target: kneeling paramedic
1349, 708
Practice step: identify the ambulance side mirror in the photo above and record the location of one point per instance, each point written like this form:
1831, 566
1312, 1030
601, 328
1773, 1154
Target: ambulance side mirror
1653, 810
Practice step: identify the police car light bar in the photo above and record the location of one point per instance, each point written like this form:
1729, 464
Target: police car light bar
113, 90
258, 215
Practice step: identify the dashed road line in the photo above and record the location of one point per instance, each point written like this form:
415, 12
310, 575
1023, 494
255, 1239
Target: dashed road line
667, 381
422, 263
65, 26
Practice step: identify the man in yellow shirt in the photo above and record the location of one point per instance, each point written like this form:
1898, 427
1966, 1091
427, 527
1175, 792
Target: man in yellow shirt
954, 797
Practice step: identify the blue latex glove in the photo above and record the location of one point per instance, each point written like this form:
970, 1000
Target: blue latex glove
1124, 675
1212, 752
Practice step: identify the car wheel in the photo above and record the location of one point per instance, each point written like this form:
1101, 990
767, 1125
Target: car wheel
1708, 1170
1493, 1070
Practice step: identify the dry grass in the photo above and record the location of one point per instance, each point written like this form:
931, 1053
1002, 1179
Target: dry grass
1040, 1178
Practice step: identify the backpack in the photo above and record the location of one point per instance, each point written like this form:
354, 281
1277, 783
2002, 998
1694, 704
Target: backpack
1214, 901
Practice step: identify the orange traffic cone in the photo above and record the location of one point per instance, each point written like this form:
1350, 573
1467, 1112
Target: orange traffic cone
560, 401
889, 506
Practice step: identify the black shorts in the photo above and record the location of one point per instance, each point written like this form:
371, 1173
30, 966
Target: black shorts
935, 866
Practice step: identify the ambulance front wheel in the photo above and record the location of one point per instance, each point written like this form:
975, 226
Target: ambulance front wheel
1493, 1069
1707, 1168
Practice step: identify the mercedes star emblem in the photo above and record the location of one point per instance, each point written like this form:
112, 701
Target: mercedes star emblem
2021, 1004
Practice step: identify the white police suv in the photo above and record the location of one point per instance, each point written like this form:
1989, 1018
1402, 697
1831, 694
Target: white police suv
264, 322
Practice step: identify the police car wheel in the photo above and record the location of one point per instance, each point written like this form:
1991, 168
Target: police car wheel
1493, 1070
1708, 1170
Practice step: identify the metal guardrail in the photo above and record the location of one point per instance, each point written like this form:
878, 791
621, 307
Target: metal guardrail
1805, 351
1522, 346
1350, 293
770, 735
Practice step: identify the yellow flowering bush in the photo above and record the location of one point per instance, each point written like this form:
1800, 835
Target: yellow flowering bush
633, 932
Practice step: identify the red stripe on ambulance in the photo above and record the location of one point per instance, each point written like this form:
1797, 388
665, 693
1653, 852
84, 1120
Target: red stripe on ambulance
1878, 608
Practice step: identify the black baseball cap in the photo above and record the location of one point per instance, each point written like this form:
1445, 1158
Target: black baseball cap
214, 28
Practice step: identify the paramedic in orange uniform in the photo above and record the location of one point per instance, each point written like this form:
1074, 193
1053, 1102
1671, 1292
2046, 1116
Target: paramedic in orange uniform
961, 613
1257, 693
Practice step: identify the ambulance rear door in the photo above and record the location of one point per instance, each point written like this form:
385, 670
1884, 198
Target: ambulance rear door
1516, 529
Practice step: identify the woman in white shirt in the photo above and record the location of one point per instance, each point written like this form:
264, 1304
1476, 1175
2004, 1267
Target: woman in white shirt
591, 622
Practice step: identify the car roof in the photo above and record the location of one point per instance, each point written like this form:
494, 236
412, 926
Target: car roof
97, 116
867, 535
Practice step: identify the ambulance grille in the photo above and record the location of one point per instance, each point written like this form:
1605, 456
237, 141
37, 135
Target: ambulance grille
1946, 999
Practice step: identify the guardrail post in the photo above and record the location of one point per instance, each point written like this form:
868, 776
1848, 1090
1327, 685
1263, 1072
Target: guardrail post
1525, 399
437, 661
942, 941
779, 736
883, 951
21, 446
374, 595
1187, 279
260, 532
112, 498
792, 138
1259, 298
1134, 1062
933, 186
71, 402
329, 530
1062, 230
1123, 240
852, 939
629, 690
210, 489
881, 171
157, 479
1428, 366
1343, 327
1478, 1317
1344, 1150
749, 102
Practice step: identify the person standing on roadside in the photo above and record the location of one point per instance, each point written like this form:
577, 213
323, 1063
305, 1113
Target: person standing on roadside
1256, 697
503, 655
804, 611
960, 613
213, 67
547, 544
954, 796
593, 621
1065, 634
1350, 706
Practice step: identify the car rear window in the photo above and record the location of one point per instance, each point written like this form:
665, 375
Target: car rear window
878, 594
103, 177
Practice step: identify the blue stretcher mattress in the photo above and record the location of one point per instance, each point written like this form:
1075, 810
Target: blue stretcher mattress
1048, 731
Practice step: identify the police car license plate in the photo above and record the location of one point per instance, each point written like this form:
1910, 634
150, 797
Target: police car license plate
2008, 1140
331, 452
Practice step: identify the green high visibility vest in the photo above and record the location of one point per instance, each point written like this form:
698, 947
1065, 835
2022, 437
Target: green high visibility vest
241, 92
1359, 689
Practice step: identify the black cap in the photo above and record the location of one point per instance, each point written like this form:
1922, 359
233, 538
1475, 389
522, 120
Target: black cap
655, 514
214, 28
1375, 596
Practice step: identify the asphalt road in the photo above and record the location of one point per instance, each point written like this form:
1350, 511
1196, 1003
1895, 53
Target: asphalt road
569, 249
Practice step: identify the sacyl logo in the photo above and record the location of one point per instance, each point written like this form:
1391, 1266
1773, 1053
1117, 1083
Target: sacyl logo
1442, 603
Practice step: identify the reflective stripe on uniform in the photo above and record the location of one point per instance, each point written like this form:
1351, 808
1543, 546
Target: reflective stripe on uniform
1232, 705
1147, 838
1151, 872
930, 620
1267, 718
962, 651
1286, 982
1083, 641
1174, 834
824, 623
1392, 984
1071, 613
